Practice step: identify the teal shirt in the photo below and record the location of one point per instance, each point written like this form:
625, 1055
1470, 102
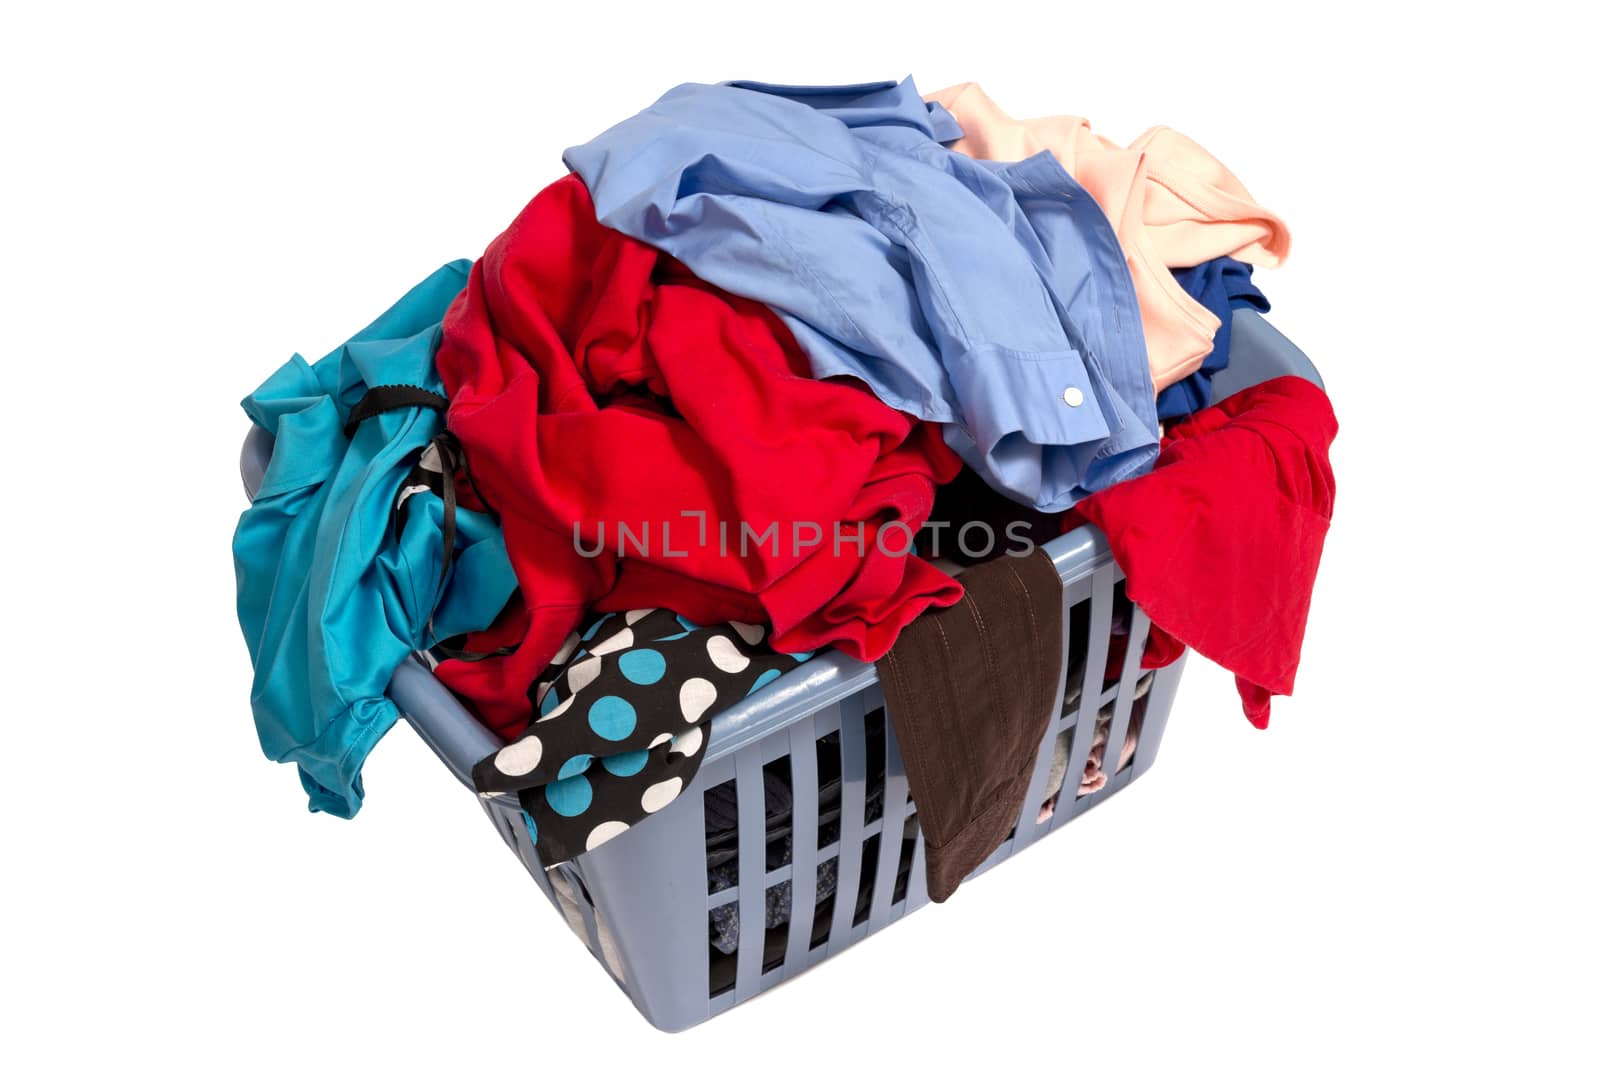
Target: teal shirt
332, 593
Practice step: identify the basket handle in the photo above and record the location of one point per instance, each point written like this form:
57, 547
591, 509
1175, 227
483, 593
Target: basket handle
1258, 353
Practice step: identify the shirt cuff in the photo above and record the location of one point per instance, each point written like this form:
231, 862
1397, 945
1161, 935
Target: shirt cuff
1046, 397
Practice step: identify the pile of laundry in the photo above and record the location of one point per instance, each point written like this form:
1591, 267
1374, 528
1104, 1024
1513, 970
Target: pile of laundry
705, 409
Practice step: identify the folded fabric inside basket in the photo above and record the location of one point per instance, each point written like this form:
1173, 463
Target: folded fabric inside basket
722, 828
1095, 776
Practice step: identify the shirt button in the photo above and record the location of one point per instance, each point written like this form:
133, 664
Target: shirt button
1073, 396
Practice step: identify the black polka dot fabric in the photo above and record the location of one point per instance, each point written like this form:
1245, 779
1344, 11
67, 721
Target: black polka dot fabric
625, 714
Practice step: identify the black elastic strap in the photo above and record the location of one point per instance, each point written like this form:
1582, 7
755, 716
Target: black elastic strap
380, 399
449, 451
456, 649
444, 445
448, 446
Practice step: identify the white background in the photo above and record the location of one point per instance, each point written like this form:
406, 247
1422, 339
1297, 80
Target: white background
1401, 868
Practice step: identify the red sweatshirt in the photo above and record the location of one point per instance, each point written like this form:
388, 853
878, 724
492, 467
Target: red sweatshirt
594, 381
1222, 540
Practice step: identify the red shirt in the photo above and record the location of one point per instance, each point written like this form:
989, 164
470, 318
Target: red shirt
594, 381
1221, 542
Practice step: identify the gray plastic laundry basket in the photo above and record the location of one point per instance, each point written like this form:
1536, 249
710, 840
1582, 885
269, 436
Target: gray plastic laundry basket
642, 903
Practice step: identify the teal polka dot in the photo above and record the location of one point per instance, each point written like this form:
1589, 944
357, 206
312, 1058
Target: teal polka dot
625, 764
801, 658
569, 797
642, 666
612, 718
765, 677
673, 637
596, 625
575, 766
533, 831
549, 703
686, 625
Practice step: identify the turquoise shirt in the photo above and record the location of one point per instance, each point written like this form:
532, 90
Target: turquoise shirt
333, 592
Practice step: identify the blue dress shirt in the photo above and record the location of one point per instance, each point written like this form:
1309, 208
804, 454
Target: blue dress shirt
990, 297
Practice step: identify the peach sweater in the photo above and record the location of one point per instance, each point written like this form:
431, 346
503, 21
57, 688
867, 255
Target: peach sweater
1172, 204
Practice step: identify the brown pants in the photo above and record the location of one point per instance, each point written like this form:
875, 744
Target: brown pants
970, 690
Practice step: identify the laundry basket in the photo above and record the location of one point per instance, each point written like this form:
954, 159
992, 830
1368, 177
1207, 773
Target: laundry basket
643, 902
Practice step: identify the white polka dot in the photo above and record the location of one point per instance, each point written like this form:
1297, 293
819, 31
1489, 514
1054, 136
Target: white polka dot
556, 711
637, 614
660, 795
688, 743
660, 739
519, 758
487, 794
725, 655
544, 688
604, 833
694, 697
750, 632
583, 673
622, 639
564, 653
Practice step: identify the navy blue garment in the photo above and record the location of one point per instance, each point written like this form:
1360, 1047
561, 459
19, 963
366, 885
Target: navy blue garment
990, 297
1222, 285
